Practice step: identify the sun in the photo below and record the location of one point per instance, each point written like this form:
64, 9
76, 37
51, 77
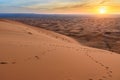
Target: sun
102, 10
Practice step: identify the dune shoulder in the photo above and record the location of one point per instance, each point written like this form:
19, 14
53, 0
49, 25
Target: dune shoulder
28, 53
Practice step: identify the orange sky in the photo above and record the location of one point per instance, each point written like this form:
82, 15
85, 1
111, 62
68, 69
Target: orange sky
60, 6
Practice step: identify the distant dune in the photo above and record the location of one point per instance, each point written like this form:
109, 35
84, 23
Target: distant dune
29, 53
98, 32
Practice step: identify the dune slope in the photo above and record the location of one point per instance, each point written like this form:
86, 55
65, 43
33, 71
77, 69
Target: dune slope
27, 53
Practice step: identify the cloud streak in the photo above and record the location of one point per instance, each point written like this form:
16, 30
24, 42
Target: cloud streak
104, 1
85, 3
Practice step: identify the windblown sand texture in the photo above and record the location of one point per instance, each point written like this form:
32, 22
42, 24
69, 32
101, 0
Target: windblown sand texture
28, 53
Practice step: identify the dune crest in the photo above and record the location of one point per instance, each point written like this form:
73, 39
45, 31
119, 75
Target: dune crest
29, 53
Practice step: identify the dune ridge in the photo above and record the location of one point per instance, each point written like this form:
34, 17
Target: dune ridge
29, 53
102, 33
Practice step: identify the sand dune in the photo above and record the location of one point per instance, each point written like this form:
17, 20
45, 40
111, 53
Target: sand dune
28, 53
102, 33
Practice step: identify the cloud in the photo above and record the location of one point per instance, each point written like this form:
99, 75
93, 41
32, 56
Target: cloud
9, 9
83, 4
71, 6
104, 1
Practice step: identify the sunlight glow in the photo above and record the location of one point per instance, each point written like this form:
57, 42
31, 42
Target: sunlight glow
102, 10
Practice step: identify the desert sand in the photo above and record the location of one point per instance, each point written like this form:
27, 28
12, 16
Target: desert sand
98, 32
29, 53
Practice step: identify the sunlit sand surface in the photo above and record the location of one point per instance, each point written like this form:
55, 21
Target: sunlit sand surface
29, 53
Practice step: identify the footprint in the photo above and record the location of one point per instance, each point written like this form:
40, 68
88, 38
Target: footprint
96, 61
107, 67
110, 71
3, 62
29, 33
37, 57
13, 62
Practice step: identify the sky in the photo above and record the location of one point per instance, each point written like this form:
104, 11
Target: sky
58, 6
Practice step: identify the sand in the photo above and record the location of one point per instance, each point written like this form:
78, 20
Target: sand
28, 53
98, 32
